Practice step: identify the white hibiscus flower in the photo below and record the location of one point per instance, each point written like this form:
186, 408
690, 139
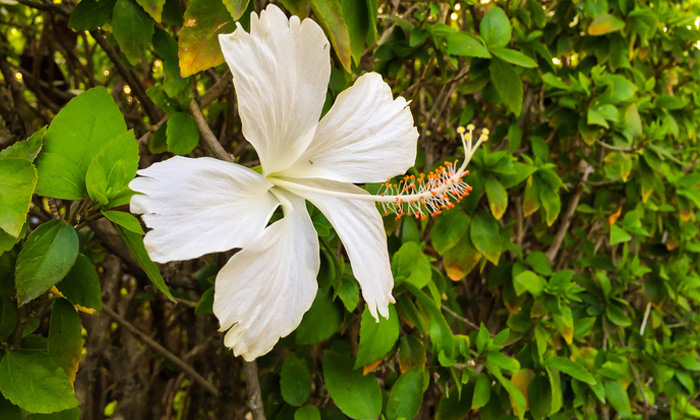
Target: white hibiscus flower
281, 71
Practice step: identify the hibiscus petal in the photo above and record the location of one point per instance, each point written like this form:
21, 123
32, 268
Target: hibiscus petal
280, 71
361, 230
262, 293
367, 136
199, 206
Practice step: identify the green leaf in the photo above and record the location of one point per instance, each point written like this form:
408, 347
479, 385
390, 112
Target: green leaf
236, 7
357, 18
482, 391
572, 369
133, 29
617, 315
605, 24
495, 28
182, 134
46, 258
528, 281
89, 15
65, 338
376, 338
320, 321
18, 178
165, 45
112, 169
514, 57
153, 7
8, 241
31, 380
508, 85
485, 236
448, 229
539, 262
497, 195
406, 395
206, 303
78, 132
26, 149
618, 235
618, 398
296, 7
134, 242
198, 40
72, 414
330, 17
461, 258
295, 381
551, 203
459, 43
8, 317
126, 220
309, 412
358, 396
81, 286
409, 264
517, 398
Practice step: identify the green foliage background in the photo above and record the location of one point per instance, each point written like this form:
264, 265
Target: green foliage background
565, 286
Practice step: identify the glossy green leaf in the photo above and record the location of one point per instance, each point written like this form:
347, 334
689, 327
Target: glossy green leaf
182, 133
530, 282
485, 236
358, 396
406, 395
618, 398
497, 196
295, 381
112, 169
459, 43
330, 17
605, 24
618, 235
134, 242
508, 85
153, 7
495, 28
482, 391
46, 258
514, 57
18, 178
448, 229
376, 338
65, 338
133, 29
126, 220
77, 133
572, 369
308, 412
81, 286
89, 15
71, 414
409, 264
33, 381
321, 320
26, 149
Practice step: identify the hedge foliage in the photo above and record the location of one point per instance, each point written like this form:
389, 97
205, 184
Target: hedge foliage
564, 286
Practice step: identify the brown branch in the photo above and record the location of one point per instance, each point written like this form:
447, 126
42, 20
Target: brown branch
253, 385
189, 370
460, 318
153, 112
568, 217
209, 138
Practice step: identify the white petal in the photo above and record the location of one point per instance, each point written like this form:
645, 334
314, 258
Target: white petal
281, 72
361, 230
198, 206
262, 293
367, 136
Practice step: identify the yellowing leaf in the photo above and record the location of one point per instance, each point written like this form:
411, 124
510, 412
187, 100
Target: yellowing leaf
370, 367
613, 217
521, 379
199, 42
330, 17
604, 24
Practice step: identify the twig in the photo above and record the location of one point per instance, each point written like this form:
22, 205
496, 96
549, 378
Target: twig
568, 217
151, 109
253, 385
461, 318
636, 375
189, 370
208, 136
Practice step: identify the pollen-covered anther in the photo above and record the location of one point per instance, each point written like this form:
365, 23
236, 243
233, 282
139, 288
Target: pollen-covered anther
431, 193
